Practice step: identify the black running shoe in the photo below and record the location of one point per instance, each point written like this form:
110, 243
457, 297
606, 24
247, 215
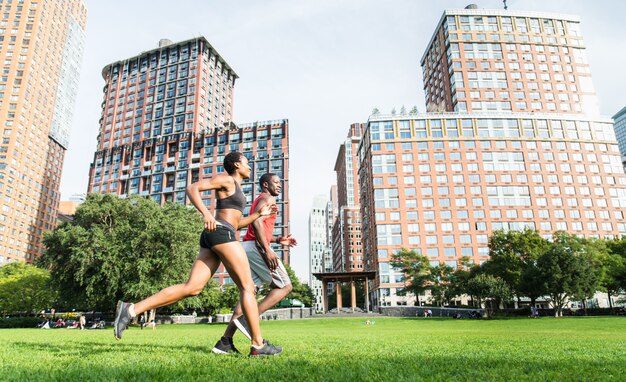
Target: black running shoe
267, 350
225, 346
122, 319
242, 325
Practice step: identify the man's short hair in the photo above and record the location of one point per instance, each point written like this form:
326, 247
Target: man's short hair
267, 177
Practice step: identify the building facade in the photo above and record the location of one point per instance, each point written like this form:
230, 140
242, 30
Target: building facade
487, 60
331, 217
346, 233
318, 246
440, 183
42, 43
620, 132
512, 139
167, 122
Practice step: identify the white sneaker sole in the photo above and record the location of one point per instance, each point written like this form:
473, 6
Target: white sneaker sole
118, 313
218, 351
242, 328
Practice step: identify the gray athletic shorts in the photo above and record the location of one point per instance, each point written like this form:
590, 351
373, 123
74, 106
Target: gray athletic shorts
261, 273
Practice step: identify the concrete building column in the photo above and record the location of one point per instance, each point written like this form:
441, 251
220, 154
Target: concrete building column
324, 297
338, 288
352, 295
367, 297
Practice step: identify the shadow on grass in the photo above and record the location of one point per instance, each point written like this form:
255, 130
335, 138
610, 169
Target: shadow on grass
398, 364
100, 347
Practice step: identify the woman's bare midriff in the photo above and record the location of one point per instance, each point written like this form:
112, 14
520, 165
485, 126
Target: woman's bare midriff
229, 215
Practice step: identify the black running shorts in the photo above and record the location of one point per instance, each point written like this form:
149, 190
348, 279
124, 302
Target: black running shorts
222, 234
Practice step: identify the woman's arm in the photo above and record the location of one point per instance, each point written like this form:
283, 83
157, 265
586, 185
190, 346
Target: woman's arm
260, 212
194, 192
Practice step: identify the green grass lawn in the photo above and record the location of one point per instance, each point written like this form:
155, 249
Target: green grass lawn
343, 349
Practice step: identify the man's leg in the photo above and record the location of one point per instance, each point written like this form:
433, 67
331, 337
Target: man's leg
275, 296
280, 284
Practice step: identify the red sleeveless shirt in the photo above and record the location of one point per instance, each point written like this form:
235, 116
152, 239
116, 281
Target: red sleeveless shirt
268, 224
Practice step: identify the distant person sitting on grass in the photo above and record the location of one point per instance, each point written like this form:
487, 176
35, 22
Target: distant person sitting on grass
265, 265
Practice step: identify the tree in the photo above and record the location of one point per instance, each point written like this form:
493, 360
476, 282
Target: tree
489, 289
594, 254
440, 287
119, 248
531, 283
613, 279
510, 253
457, 279
417, 269
25, 288
229, 297
209, 300
566, 271
299, 291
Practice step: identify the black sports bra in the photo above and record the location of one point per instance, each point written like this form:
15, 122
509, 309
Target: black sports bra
236, 201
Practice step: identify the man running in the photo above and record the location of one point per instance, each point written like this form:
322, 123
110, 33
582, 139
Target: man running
265, 265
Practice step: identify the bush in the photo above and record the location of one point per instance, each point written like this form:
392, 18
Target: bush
19, 322
596, 311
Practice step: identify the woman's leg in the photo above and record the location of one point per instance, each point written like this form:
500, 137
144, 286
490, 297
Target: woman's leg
203, 268
235, 260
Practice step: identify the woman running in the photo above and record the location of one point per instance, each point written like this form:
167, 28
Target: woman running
218, 243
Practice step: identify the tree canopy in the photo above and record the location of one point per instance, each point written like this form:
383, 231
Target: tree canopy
417, 268
119, 248
490, 289
299, 291
566, 270
511, 253
25, 288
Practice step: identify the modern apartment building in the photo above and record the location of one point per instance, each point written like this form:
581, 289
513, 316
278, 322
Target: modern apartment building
487, 60
346, 233
514, 141
332, 213
318, 245
620, 132
167, 122
42, 43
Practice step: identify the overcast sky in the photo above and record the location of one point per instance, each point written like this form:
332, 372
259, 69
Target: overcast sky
320, 64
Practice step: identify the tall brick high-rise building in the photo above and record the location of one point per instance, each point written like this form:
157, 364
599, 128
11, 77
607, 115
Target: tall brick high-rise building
346, 233
167, 122
513, 140
41, 43
487, 60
